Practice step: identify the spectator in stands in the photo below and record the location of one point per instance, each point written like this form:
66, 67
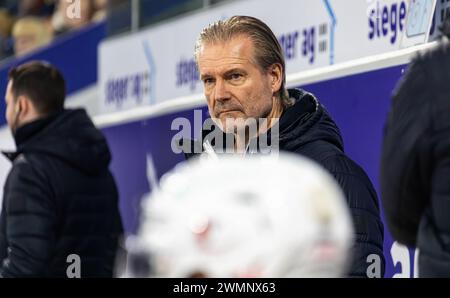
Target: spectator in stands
415, 165
30, 33
10, 5
60, 200
6, 43
242, 67
101, 10
41, 8
67, 17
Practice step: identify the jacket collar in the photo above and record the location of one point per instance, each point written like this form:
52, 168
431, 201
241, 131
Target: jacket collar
26, 133
291, 118
304, 106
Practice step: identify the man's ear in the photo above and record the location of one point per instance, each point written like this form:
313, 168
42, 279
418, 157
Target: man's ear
276, 76
23, 105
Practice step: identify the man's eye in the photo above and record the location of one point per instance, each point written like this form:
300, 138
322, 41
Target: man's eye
236, 76
208, 81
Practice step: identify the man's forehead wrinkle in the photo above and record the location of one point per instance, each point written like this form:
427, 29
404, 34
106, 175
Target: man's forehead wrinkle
220, 69
225, 59
214, 65
234, 48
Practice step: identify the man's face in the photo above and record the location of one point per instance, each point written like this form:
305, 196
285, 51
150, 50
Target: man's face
10, 106
24, 44
235, 87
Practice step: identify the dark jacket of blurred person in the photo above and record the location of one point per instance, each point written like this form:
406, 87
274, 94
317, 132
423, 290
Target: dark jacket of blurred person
415, 168
307, 129
60, 199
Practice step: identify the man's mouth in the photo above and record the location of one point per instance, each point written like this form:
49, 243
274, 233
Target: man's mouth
226, 112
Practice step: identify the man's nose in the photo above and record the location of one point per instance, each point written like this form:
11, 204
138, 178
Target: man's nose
221, 92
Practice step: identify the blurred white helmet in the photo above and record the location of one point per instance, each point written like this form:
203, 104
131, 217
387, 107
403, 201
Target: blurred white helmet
257, 216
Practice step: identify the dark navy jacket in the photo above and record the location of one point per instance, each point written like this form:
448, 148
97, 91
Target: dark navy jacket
59, 200
306, 128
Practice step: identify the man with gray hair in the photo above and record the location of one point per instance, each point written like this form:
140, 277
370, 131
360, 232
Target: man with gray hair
242, 67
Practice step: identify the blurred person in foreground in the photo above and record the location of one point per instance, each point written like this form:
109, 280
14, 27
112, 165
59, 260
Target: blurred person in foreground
199, 225
59, 199
415, 165
242, 67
